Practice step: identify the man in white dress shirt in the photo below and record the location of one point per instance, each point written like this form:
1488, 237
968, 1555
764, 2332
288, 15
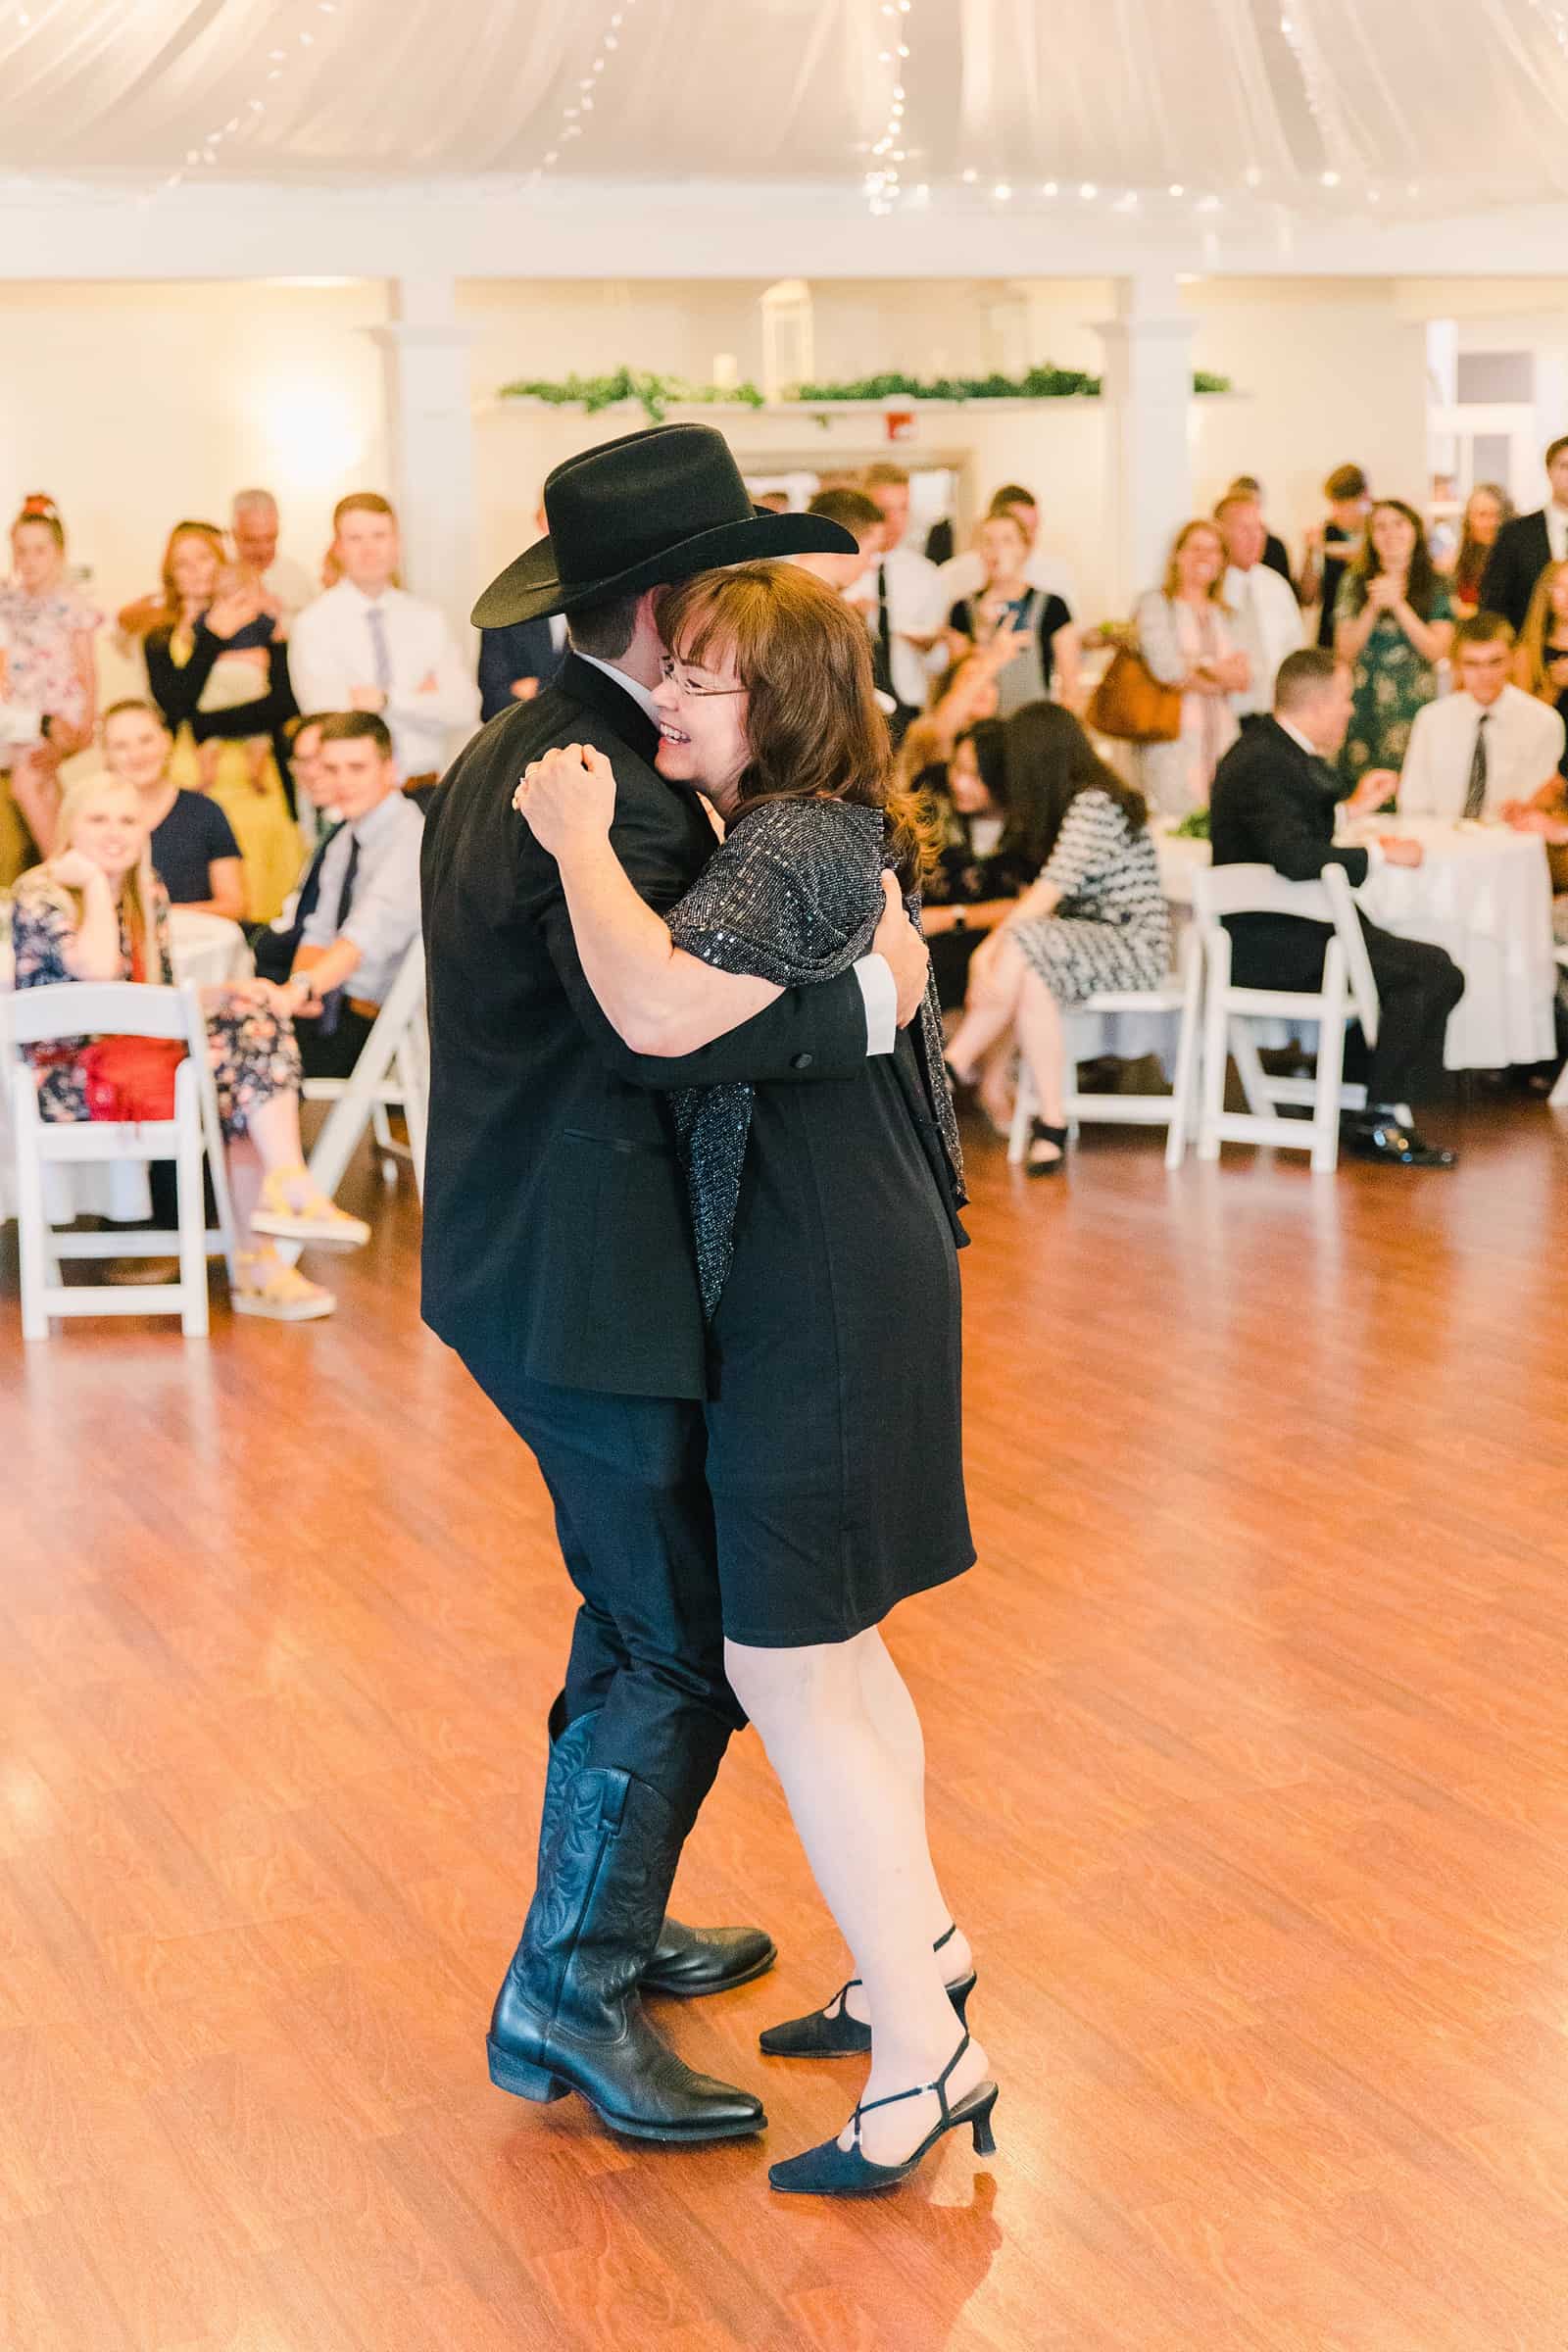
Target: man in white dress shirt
900, 598
1268, 618
253, 527
1486, 745
964, 575
365, 914
367, 645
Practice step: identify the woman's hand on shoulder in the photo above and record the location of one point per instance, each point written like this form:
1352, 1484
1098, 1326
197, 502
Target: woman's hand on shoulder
567, 797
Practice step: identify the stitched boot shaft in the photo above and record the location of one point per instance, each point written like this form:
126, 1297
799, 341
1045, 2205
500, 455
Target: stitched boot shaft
569, 1744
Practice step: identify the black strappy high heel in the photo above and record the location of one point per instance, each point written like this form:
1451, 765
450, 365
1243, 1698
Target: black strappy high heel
832, 2032
830, 2170
1040, 1133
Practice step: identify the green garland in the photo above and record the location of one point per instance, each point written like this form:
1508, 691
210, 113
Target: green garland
655, 394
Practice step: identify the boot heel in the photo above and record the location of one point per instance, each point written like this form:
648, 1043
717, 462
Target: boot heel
524, 2081
985, 2139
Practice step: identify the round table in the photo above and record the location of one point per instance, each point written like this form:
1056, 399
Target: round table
1483, 893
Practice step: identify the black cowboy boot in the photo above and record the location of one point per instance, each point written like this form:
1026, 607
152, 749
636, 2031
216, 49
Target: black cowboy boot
569, 2016
687, 1962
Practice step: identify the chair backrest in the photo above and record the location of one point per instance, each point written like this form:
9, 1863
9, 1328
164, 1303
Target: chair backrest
1223, 889
98, 1008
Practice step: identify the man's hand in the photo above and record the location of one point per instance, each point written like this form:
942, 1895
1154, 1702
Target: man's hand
1400, 852
1377, 785
902, 950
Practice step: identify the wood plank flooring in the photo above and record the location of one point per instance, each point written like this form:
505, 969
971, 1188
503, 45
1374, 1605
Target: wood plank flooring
1250, 1781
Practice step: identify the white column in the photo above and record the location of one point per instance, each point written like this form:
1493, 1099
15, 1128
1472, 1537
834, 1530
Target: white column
430, 439
1147, 395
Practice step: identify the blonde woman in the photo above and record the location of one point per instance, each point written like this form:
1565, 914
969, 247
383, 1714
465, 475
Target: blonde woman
95, 910
1187, 638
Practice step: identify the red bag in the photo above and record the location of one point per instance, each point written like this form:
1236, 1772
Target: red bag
132, 1077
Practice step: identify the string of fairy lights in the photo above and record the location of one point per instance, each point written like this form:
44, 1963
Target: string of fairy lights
570, 124
290, 43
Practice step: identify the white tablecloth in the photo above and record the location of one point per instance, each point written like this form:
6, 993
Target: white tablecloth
1483, 893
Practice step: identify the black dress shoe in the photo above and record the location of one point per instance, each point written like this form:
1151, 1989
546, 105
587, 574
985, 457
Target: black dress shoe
689, 1962
1390, 1144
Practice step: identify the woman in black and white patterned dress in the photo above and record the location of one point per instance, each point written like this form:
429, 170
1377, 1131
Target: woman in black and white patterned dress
1096, 918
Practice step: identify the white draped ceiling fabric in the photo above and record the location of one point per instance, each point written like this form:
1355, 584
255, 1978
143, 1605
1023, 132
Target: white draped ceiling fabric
1324, 107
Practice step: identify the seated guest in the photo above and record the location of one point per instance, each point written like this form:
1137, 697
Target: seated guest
1268, 618
1333, 545
1486, 743
1096, 918
367, 912
95, 910
1487, 508
192, 842
1036, 629
274, 945
1275, 554
366, 645
1540, 660
964, 694
519, 659
1186, 634
1274, 802
977, 870
1525, 546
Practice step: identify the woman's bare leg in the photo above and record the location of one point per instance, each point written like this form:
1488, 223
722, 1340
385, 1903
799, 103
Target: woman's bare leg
989, 1011
1044, 1047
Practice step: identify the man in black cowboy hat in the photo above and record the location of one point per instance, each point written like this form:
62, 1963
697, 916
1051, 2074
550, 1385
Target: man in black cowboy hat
557, 1263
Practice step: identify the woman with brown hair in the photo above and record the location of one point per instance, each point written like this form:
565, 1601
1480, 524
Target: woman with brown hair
1393, 624
1096, 918
1540, 658
217, 670
1487, 509
1185, 636
825, 1222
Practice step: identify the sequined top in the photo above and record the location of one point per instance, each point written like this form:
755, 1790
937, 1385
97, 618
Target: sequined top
793, 896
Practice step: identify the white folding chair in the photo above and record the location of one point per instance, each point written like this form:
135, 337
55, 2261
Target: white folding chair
1178, 996
1557, 1099
392, 1072
1349, 993
118, 1008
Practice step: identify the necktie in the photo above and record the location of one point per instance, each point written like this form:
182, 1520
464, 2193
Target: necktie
332, 1003
380, 650
1475, 796
882, 655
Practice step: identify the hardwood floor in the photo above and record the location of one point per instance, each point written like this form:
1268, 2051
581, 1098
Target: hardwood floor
1250, 1782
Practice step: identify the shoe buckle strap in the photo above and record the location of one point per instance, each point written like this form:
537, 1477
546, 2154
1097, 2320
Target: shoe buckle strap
921, 2091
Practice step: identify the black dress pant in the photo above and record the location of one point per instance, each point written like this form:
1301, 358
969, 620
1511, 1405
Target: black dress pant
635, 1521
1418, 987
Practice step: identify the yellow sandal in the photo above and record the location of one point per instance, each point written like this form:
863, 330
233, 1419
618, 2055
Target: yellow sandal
268, 1287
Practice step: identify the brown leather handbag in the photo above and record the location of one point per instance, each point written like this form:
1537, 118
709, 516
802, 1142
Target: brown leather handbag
1132, 704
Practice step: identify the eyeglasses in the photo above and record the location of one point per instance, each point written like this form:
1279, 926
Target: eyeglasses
687, 688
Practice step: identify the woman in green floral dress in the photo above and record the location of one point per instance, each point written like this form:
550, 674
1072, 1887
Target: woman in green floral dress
1393, 623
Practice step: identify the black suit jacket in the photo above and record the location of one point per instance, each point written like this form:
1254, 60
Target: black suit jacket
556, 1238
1271, 804
523, 649
1514, 565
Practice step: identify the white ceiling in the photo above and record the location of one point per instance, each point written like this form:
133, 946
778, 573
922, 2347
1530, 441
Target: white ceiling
1322, 109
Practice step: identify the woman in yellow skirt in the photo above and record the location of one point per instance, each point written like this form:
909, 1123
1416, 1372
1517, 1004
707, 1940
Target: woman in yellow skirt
217, 668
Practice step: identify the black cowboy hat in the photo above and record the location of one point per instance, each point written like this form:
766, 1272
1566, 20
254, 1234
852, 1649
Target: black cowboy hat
633, 513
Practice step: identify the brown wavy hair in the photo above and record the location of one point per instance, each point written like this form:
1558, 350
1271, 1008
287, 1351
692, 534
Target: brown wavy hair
814, 730
1422, 583
1540, 624
210, 534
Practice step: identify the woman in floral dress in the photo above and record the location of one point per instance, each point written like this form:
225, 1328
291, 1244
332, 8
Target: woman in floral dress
1393, 623
47, 630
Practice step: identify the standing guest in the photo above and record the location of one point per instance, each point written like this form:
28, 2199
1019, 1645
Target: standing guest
1186, 637
1275, 552
367, 645
1487, 509
862, 517
965, 574
1274, 803
1037, 625
192, 842
1333, 545
366, 916
899, 600
286, 585
773, 502
515, 663
1268, 618
1541, 661
196, 628
1393, 623
47, 629
1094, 918
1528, 544
1484, 745
95, 910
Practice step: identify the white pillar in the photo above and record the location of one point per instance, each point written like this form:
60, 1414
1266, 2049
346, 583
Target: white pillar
1147, 395
430, 438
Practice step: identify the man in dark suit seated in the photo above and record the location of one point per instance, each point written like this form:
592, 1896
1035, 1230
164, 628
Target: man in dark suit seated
1527, 545
1273, 803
